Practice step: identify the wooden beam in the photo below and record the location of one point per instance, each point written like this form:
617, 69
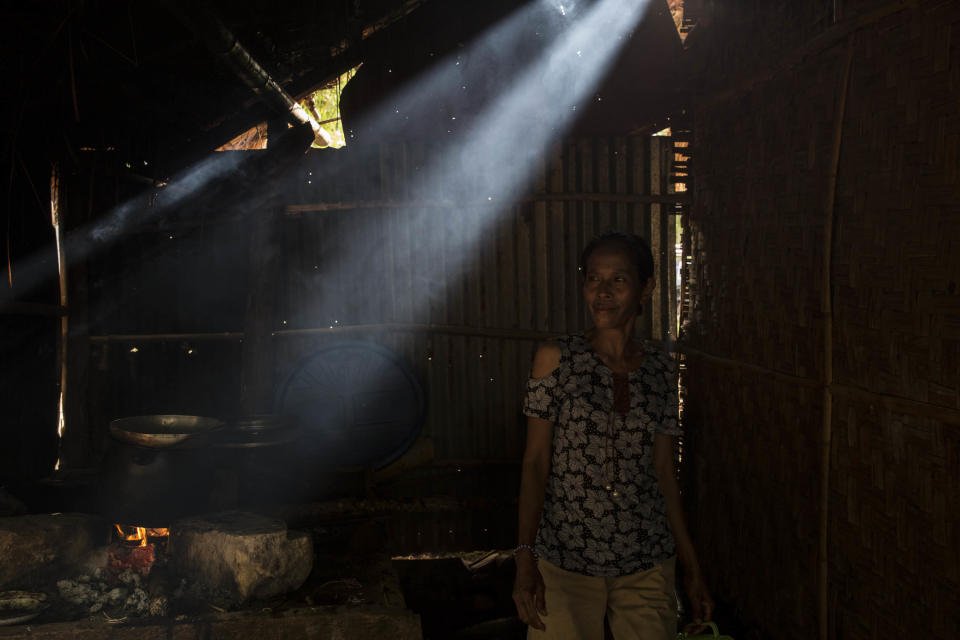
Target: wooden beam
297, 209
239, 336
168, 337
487, 332
628, 198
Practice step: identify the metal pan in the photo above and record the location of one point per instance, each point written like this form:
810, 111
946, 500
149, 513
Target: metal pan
17, 607
164, 431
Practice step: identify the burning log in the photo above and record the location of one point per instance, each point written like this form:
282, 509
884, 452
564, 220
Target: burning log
139, 536
137, 549
138, 559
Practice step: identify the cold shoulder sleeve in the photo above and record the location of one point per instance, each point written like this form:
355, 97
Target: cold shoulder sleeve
541, 399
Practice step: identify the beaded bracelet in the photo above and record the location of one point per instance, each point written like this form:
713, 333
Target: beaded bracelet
527, 547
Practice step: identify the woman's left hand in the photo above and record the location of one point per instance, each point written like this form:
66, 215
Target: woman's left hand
700, 602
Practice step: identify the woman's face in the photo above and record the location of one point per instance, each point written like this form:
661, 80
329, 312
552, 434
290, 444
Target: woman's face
612, 288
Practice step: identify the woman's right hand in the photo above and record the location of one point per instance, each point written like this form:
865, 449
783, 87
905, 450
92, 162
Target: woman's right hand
529, 592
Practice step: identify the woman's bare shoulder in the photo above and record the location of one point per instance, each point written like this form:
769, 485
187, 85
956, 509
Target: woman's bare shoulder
546, 359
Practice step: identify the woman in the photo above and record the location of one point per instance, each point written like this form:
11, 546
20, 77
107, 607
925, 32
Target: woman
600, 518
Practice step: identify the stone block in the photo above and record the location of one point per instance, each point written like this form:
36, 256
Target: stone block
231, 557
36, 547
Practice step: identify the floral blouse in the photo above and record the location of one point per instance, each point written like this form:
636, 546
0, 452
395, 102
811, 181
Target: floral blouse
586, 527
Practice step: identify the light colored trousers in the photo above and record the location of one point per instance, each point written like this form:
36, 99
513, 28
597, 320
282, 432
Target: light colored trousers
642, 606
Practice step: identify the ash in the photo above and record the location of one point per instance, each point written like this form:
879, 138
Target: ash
123, 596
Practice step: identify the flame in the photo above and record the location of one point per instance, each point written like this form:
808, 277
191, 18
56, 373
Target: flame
139, 535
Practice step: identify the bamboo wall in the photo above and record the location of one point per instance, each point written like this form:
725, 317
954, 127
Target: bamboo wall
834, 418
359, 254
469, 333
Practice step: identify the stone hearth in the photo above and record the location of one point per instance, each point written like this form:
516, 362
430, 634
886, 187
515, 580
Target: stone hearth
224, 575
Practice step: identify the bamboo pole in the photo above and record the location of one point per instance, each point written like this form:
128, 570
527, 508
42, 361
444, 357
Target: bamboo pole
487, 332
627, 198
748, 366
401, 327
890, 402
55, 220
827, 309
168, 337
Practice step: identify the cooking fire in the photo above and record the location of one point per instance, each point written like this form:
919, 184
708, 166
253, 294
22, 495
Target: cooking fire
135, 536
137, 548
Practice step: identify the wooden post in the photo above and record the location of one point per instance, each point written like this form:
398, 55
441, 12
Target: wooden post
658, 236
70, 210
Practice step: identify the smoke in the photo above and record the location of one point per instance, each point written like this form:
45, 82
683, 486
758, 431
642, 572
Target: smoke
538, 69
81, 243
496, 104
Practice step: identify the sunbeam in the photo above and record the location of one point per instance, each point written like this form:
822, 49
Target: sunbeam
505, 142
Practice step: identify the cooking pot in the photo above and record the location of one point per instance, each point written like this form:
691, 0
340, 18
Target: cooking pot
157, 468
260, 453
151, 486
258, 431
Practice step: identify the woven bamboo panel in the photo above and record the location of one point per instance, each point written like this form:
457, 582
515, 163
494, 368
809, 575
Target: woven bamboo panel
895, 557
737, 40
895, 489
751, 454
756, 231
756, 238
897, 264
